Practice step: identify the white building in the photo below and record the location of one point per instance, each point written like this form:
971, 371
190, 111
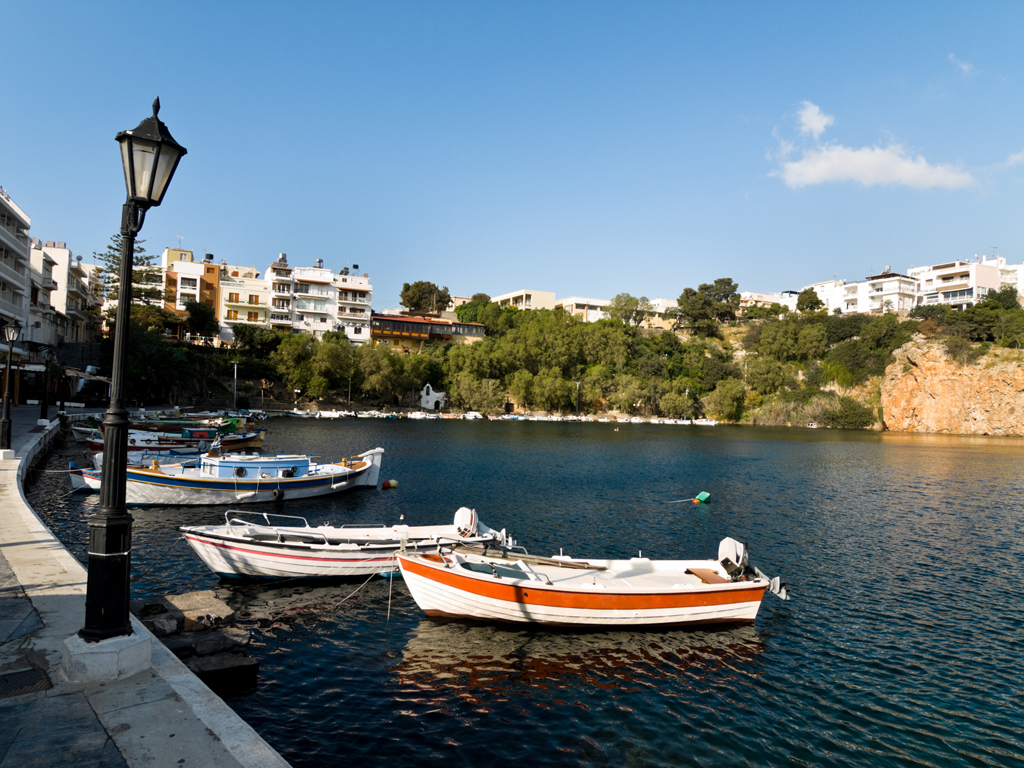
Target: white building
72, 295
354, 297
314, 300
431, 399
749, 299
242, 300
14, 262
44, 325
526, 299
588, 310
957, 283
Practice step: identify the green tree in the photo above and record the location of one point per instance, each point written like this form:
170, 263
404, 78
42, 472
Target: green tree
726, 402
808, 301
481, 297
255, 340
293, 358
811, 341
520, 388
779, 340
765, 375
704, 309
629, 310
147, 280
202, 319
149, 316
424, 296
696, 312
470, 311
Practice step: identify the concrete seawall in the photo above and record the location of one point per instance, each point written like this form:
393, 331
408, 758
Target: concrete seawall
161, 716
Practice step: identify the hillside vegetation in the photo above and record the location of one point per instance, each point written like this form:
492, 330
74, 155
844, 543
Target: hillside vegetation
773, 367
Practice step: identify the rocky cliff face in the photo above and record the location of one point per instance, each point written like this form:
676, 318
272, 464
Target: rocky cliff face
925, 391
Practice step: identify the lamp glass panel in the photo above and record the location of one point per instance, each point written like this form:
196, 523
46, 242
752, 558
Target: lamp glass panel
144, 157
126, 164
164, 168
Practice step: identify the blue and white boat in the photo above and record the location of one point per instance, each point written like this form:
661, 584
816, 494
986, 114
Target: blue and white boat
233, 478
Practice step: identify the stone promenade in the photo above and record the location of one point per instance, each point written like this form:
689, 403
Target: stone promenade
161, 716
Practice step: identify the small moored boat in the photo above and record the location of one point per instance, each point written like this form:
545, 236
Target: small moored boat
513, 586
244, 547
233, 478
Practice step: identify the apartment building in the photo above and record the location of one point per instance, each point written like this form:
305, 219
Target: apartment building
526, 299
753, 299
957, 283
14, 262
44, 325
186, 279
354, 296
588, 310
72, 296
243, 299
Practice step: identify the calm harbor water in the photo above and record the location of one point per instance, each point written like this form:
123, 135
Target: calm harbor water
901, 645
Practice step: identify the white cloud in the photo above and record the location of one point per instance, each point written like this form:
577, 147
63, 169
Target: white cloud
871, 166
1015, 159
965, 67
813, 121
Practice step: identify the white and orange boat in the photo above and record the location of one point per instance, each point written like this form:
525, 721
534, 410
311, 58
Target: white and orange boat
512, 586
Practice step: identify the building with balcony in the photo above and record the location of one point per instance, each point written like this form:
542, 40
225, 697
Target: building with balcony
186, 279
410, 334
242, 300
587, 310
749, 299
15, 262
958, 284
526, 299
354, 295
43, 325
72, 295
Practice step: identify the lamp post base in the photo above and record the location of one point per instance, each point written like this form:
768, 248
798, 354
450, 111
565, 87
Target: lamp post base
111, 659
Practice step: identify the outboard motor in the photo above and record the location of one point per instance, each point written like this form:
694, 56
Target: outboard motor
466, 522
732, 554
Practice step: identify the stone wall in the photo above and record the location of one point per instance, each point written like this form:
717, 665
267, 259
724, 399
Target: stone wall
926, 391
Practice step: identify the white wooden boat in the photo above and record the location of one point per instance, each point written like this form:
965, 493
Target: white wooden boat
513, 586
245, 547
233, 478
84, 479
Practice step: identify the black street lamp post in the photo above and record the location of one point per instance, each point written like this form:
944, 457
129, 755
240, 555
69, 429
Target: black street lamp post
11, 332
150, 156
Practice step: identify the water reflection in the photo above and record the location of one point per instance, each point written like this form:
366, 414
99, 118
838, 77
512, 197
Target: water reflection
442, 658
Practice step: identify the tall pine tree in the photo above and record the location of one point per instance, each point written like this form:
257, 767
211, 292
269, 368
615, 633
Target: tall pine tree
147, 282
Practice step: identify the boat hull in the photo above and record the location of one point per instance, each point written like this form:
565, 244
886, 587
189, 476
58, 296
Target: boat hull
445, 592
243, 550
260, 560
147, 486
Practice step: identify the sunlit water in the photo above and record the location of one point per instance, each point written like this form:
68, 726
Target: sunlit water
901, 646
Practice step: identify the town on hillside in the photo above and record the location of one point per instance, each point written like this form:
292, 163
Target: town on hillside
295, 332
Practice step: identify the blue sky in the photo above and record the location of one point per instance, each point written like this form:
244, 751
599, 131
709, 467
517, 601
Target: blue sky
586, 148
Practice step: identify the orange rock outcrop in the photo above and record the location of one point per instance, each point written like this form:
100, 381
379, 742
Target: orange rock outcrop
926, 391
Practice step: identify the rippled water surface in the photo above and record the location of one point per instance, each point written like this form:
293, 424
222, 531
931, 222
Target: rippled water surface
901, 646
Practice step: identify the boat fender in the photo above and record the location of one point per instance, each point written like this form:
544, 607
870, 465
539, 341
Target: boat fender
277, 494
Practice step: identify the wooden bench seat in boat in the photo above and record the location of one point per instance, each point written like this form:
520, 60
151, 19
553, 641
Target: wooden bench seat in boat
708, 576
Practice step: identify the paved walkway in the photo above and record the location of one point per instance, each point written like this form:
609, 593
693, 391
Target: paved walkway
163, 716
